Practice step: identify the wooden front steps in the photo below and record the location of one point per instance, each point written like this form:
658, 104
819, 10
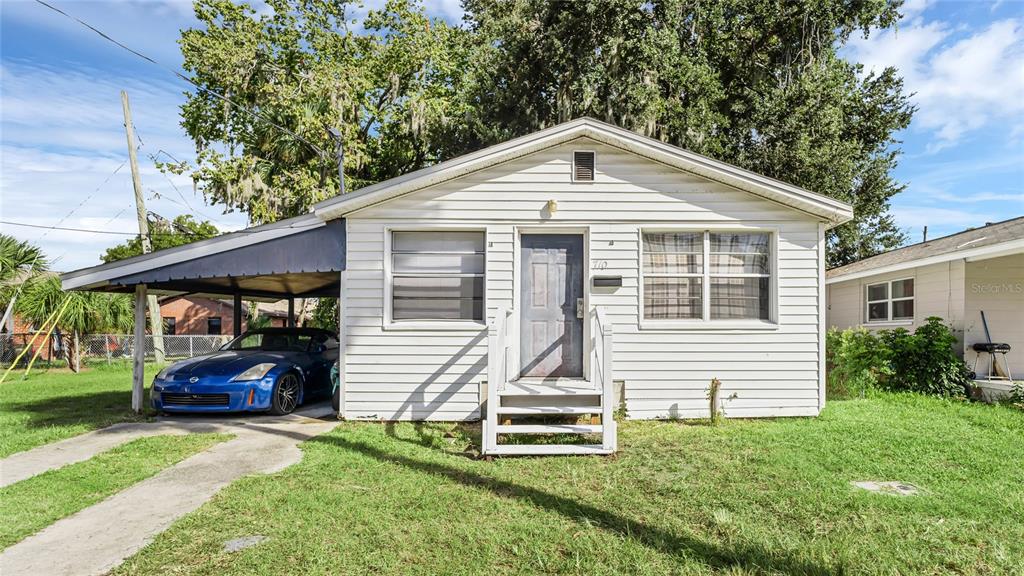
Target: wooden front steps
547, 405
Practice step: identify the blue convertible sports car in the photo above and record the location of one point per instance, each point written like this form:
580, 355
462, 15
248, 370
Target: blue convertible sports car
272, 369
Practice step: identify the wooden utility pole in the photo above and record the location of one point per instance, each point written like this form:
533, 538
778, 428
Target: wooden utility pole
139, 349
155, 322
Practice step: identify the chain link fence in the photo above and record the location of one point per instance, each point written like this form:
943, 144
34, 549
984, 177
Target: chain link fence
109, 347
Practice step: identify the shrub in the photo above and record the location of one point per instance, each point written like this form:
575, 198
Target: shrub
924, 361
856, 360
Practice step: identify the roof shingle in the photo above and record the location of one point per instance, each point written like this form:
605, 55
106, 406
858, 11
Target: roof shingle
987, 235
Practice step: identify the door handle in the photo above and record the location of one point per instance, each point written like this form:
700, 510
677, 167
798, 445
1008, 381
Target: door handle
579, 307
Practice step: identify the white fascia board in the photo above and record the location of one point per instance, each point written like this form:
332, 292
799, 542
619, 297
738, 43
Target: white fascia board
970, 255
831, 210
96, 276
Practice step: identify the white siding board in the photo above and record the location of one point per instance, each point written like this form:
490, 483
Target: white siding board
423, 374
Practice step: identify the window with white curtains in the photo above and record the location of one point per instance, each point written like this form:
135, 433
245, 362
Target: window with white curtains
707, 275
437, 275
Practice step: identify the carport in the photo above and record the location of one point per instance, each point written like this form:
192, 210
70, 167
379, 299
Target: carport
299, 257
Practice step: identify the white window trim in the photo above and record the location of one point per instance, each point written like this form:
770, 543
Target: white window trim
572, 167
389, 323
706, 323
889, 320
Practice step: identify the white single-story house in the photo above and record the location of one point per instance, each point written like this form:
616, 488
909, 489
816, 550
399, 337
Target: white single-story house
956, 278
570, 271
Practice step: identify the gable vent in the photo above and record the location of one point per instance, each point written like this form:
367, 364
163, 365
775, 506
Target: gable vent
583, 166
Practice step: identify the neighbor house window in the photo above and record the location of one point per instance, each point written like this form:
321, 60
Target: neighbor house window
894, 300
170, 323
707, 275
213, 325
437, 275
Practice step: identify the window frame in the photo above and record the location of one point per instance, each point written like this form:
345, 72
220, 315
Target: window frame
889, 300
171, 321
389, 322
706, 322
220, 325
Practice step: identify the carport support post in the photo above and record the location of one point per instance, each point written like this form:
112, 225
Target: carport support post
291, 312
139, 348
236, 329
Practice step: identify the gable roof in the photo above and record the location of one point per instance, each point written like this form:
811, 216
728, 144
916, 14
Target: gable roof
991, 240
830, 210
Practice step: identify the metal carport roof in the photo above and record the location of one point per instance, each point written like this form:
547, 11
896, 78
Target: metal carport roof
300, 256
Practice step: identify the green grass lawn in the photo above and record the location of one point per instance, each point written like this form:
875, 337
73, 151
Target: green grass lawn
57, 404
32, 504
753, 496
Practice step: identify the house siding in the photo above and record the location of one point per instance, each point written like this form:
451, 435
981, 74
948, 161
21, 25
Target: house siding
996, 286
938, 291
429, 374
956, 291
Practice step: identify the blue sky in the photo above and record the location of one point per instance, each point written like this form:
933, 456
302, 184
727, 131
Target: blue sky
61, 134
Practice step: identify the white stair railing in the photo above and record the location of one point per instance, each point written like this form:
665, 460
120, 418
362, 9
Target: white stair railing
497, 369
603, 342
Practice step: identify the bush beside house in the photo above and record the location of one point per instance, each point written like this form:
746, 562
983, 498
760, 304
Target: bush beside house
923, 361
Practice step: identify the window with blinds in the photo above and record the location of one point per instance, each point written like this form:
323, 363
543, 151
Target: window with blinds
437, 275
707, 275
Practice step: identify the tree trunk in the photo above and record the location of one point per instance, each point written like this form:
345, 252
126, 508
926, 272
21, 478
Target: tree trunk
70, 346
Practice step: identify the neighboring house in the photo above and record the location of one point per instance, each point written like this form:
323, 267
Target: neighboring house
955, 277
555, 274
198, 315
195, 315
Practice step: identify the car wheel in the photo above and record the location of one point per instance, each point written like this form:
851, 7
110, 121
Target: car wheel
286, 394
336, 399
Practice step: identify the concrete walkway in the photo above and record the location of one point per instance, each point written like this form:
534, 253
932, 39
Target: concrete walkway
99, 538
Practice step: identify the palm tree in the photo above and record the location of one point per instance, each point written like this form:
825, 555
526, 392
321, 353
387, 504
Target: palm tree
84, 312
19, 261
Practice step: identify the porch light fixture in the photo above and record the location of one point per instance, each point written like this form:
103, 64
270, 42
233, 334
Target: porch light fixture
552, 206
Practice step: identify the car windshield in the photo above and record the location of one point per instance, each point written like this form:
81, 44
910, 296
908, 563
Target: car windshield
270, 342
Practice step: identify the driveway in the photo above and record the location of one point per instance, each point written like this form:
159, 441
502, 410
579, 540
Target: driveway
98, 538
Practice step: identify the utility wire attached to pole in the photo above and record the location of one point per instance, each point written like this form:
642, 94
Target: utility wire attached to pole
155, 320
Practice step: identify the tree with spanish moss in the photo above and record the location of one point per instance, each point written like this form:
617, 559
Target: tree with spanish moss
758, 83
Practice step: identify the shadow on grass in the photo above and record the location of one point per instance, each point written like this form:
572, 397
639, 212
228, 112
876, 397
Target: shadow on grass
752, 557
95, 409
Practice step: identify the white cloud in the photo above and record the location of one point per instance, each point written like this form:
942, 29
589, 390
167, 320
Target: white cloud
961, 80
63, 137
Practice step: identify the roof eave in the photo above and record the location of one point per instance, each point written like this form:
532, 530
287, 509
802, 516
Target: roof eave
997, 250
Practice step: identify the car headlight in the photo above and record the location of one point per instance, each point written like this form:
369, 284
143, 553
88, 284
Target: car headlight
163, 374
257, 372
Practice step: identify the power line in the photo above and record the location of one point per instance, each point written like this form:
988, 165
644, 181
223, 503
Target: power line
253, 113
89, 230
96, 231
